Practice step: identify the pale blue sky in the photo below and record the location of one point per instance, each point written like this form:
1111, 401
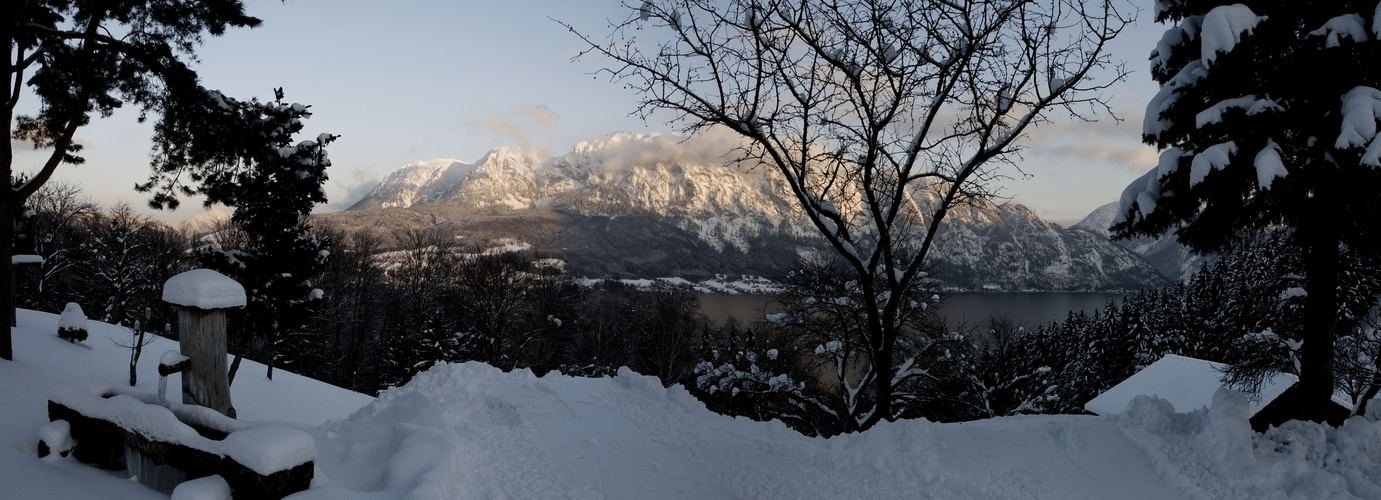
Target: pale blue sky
408, 80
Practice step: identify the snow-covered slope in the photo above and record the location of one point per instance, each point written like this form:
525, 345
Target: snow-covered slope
1170, 258
686, 198
470, 431
1010, 247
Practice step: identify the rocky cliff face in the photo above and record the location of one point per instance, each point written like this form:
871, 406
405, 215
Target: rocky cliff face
629, 205
1171, 259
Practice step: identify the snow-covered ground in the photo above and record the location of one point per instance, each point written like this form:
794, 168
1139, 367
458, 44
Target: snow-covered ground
471, 431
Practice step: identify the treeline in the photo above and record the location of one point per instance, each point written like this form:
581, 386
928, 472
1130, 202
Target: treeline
111, 262
394, 308
391, 304
1242, 309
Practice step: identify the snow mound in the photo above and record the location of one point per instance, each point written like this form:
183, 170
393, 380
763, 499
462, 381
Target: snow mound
206, 488
471, 431
1215, 449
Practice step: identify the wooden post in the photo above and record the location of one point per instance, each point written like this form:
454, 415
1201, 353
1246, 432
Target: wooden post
203, 340
202, 296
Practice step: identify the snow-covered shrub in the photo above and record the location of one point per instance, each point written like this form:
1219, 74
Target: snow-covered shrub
55, 437
72, 323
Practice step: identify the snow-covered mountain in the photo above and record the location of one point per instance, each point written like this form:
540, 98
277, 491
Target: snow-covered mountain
646, 206
417, 182
1172, 259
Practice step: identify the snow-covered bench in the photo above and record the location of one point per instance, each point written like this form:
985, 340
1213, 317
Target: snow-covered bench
256, 461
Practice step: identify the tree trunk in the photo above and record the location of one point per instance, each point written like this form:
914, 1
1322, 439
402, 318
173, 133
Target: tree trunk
1320, 233
8, 318
882, 385
202, 339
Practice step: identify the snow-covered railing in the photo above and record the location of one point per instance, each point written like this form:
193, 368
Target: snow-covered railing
108, 425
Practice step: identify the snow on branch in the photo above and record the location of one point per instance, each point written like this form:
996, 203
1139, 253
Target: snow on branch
1345, 26
1154, 124
1361, 110
1223, 28
1186, 31
1269, 165
1215, 157
1251, 103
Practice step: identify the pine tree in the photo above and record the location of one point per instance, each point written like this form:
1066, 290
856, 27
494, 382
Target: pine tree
273, 181
81, 57
1267, 116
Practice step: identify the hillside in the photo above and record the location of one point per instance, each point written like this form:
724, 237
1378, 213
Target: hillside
471, 431
1172, 259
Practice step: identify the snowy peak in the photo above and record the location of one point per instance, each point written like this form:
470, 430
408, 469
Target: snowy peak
1099, 221
417, 182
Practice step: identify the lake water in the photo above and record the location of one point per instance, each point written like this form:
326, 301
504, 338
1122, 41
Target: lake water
1027, 308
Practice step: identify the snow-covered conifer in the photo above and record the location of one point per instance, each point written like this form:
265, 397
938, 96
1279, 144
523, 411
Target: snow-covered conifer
1268, 112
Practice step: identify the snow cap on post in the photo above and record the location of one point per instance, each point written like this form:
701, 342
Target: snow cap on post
204, 289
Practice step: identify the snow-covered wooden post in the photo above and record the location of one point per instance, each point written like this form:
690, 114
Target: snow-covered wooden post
203, 296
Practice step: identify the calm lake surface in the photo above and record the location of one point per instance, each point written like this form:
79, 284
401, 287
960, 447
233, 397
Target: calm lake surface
1027, 308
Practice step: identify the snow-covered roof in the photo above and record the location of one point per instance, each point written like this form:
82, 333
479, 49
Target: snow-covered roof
1186, 383
203, 289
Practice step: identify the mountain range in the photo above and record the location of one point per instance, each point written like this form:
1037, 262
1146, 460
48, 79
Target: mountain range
647, 206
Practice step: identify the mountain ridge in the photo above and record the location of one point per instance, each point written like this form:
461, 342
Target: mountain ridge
648, 205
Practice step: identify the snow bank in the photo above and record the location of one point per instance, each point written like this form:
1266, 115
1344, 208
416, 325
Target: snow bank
203, 289
471, 431
1215, 450
206, 488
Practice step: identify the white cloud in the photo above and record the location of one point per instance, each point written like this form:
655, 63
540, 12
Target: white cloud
361, 181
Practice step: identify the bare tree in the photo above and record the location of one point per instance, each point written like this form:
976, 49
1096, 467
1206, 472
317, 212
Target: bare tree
880, 115
59, 207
